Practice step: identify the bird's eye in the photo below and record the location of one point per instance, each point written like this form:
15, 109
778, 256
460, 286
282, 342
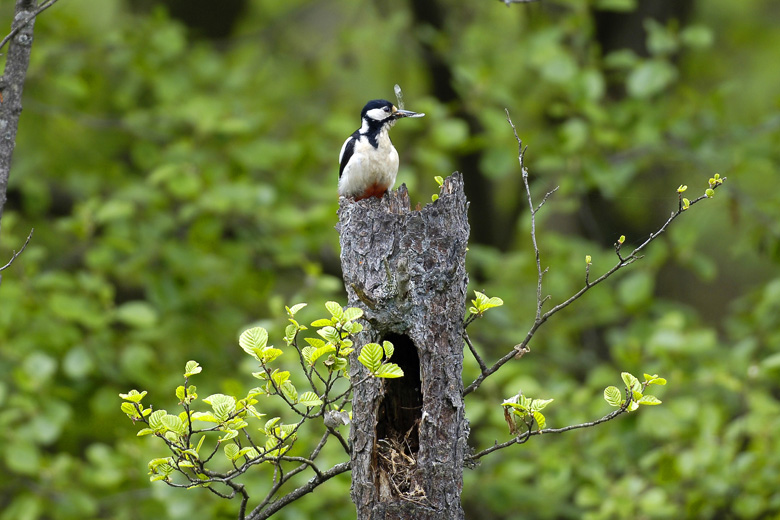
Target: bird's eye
386, 109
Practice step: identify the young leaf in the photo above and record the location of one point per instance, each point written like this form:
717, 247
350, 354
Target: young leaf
352, 314
613, 396
269, 354
335, 310
540, 420
371, 356
330, 334
317, 353
389, 370
649, 400
323, 322
632, 383
254, 338
133, 396
309, 399
173, 423
540, 404
231, 451
295, 308
388, 348
192, 368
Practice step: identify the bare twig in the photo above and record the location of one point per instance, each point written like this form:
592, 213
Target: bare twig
17, 253
41, 8
510, 2
294, 495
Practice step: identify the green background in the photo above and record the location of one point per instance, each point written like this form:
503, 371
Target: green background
178, 163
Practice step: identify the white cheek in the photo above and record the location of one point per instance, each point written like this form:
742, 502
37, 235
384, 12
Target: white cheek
377, 114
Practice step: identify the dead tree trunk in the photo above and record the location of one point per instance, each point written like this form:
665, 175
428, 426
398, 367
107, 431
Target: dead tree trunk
11, 86
406, 270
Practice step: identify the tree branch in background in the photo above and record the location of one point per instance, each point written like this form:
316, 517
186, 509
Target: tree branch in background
11, 87
30, 18
17, 253
521, 348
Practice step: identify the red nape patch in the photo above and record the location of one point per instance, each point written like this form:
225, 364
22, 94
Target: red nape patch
375, 190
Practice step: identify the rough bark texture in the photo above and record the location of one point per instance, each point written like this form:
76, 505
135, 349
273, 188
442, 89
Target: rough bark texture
406, 270
11, 86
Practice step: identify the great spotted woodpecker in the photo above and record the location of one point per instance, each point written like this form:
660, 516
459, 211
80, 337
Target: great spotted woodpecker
368, 161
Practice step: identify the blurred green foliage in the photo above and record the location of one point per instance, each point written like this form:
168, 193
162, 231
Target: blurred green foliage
183, 188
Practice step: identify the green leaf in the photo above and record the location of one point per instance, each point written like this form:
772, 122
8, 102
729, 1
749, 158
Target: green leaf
289, 391
253, 339
389, 371
307, 353
173, 423
352, 314
540, 420
228, 434
270, 424
650, 77
289, 333
181, 393
309, 399
223, 405
649, 400
204, 417
280, 376
133, 396
613, 396
317, 353
335, 310
388, 348
231, 451
192, 368
315, 342
330, 334
540, 404
269, 354
371, 356
632, 383
155, 419
483, 303
138, 314
295, 308
322, 322
129, 409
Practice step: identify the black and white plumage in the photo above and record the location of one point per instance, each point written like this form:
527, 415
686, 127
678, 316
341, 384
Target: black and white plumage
368, 161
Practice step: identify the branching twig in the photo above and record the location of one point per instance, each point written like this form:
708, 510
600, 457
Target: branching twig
294, 495
41, 8
17, 253
523, 437
520, 349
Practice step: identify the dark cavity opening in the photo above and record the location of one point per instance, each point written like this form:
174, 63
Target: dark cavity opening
398, 417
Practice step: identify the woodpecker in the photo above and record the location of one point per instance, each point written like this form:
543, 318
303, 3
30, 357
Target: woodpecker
368, 161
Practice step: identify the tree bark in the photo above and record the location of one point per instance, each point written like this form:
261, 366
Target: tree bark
406, 270
11, 86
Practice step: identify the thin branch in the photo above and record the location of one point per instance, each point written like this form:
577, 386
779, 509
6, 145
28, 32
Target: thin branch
480, 362
510, 2
17, 253
294, 495
41, 8
522, 438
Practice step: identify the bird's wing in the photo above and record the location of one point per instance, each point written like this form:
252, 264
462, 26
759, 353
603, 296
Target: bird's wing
347, 149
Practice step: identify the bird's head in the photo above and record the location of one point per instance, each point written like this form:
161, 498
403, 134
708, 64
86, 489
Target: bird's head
380, 112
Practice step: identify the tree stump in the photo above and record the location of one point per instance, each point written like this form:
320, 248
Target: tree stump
406, 269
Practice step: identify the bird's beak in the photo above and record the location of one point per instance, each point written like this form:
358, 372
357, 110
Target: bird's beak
406, 113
